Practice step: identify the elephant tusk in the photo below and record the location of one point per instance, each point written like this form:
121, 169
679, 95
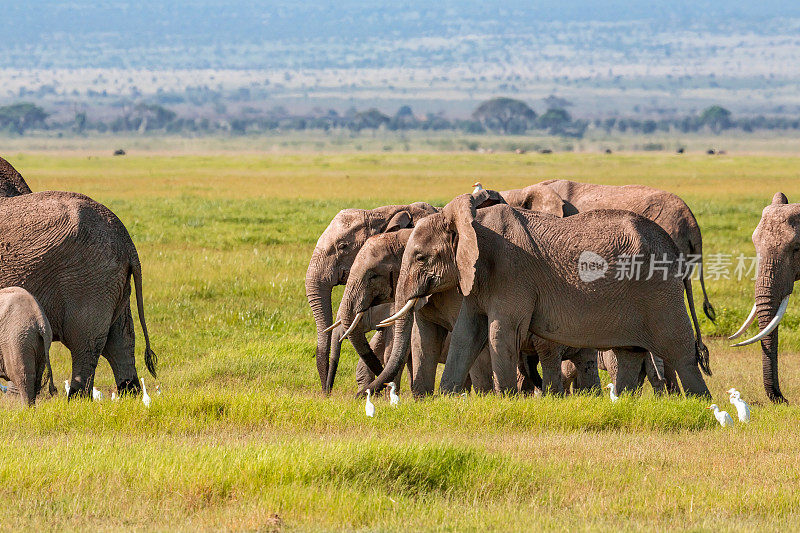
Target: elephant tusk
771, 326
747, 322
332, 326
356, 320
398, 315
655, 367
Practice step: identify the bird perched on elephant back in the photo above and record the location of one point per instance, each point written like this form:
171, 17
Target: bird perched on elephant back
11, 182
777, 243
77, 259
333, 256
565, 198
519, 272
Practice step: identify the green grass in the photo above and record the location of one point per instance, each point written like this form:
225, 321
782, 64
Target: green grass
241, 438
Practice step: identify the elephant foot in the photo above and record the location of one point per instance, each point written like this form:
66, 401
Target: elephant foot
129, 386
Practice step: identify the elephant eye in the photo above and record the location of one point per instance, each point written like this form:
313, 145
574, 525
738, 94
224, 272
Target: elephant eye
342, 246
419, 257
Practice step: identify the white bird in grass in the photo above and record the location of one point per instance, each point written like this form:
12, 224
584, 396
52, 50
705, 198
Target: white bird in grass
394, 399
96, 394
369, 408
114, 397
611, 393
66, 386
722, 417
742, 409
478, 187
145, 396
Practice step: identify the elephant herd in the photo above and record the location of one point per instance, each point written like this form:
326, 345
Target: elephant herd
74, 258
495, 284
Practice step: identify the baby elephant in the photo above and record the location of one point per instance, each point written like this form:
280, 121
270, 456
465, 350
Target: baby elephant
25, 338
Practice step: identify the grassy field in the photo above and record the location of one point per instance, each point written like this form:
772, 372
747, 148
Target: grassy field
242, 439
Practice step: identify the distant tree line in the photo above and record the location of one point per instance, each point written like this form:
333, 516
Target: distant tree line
504, 116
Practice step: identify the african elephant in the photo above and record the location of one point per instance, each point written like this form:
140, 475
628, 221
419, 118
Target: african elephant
371, 286
76, 258
334, 254
661, 377
777, 243
25, 338
566, 198
11, 182
520, 273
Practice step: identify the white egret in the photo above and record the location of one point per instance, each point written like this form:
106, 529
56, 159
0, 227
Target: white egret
114, 397
611, 393
66, 386
96, 394
478, 187
394, 399
742, 409
722, 417
145, 396
369, 408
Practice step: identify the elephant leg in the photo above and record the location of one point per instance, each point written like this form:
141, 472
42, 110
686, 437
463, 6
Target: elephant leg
682, 357
629, 365
481, 373
533, 372
551, 371
120, 351
671, 379
22, 372
469, 336
609, 363
427, 339
504, 348
654, 367
587, 377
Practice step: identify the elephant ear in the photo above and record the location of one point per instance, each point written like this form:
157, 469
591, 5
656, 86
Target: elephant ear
487, 197
461, 216
779, 198
400, 220
544, 199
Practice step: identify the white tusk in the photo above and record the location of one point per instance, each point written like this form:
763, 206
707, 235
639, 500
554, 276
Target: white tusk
771, 326
400, 314
747, 322
356, 320
332, 326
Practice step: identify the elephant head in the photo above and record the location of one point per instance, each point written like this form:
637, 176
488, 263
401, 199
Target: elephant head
371, 282
777, 243
538, 197
441, 254
11, 182
334, 254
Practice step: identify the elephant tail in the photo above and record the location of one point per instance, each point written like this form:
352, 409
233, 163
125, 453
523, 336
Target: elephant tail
696, 245
150, 358
701, 351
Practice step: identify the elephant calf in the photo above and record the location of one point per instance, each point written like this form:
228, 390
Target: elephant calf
25, 338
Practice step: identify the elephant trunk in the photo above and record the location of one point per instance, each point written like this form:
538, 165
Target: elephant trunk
767, 302
400, 349
318, 294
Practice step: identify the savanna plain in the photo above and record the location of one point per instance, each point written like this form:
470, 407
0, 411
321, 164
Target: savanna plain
241, 437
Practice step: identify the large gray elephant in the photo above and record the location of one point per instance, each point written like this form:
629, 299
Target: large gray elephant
77, 259
519, 273
372, 281
334, 254
25, 338
11, 181
565, 198
777, 243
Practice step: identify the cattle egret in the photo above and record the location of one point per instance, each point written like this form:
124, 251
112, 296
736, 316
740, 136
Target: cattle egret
369, 408
114, 397
394, 399
66, 386
478, 187
742, 409
96, 394
145, 396
722, 417
611, 392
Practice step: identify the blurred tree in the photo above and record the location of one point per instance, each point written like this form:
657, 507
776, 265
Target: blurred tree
20, 117
716, 117
505, 115
554, 120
